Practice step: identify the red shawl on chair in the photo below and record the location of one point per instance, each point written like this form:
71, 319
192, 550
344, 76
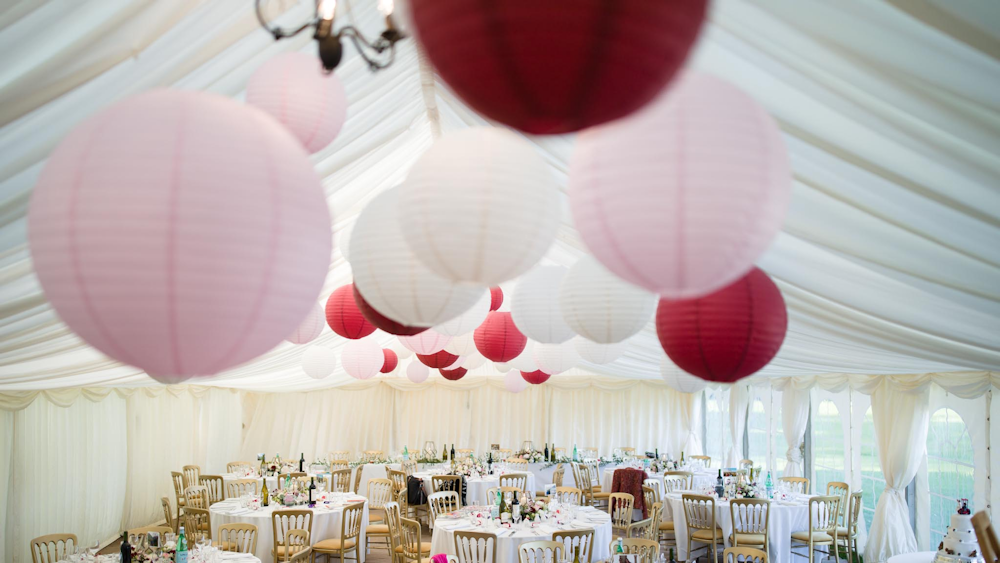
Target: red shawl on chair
630, 481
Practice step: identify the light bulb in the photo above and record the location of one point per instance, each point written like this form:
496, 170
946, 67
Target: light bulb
386, 7
326, 9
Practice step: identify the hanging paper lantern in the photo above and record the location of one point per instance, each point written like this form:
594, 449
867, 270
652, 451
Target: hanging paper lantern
344, 242
536, 377
683, 197
319, 361
453, 374
560, 65
362, 359
726, 335
402, 352
498, 339
381, 321
473, 361
310, 327
599, 353
556, 358
501, 367
390, 360
295, 90
602, 307
482, 206
427, 342
417, 372
390, 277
456, 364
468, 321
513, 382
437, 360
525, 361
496, 298
343, 315
677, 379
462, 345
535, 306
138, 247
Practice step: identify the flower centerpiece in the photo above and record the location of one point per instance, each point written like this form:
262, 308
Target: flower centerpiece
469, 466
747, 489
533, 509
143, 554
532, 456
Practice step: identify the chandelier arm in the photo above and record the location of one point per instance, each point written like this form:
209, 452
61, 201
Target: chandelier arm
362, 44
277, 32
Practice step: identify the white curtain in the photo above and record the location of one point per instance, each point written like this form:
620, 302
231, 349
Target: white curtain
739, 400
689, 419
794, 416
900, 420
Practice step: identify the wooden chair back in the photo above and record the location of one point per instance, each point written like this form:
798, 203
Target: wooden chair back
518, 480
238, 538
443, 502
239, 487
197, 523
398, 479
577, 539
647, 550
296, 546
380, 491
191, 475
620, 507
989, 546
543, 551
196, 496
168, 516
53, 547
686, 479
476, 547
569, 494
704, 459
797, 484
699, 512
446, 483
283, 522
743, 555
842, 490
216, 487
340, 480
558, 474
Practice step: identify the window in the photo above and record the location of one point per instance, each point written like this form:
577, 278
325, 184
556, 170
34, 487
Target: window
872, 481
950, 472
757, 433
827, 445
717, 439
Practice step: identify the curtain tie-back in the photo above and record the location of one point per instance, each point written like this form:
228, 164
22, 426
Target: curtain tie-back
794, 454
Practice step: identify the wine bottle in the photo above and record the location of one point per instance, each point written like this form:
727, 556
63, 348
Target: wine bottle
453, 451
181, 554
263, 492
503, 505
444, 453
126, 549
302, 462
682, 457
576, 554
489, 463
720, 489
312, 489
547, 452
495, 508
263, 464
515, 510
672, 560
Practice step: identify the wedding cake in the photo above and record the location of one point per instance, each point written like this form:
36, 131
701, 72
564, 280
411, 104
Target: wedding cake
960, 544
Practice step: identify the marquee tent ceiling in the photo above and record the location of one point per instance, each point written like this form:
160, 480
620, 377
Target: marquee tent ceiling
889, 259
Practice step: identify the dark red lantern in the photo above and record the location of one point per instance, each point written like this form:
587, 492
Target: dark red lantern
453, 374
437, 360
496, 298
381, 321
497, 339
556, 66
391, 360
536, 377
343, 315
726, 335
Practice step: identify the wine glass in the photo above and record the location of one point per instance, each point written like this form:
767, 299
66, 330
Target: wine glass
93, 548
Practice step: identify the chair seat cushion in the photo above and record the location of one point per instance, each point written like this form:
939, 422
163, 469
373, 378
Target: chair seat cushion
706, 535
666, 526
841, 532
424, 548
375, 517
333, 543
817, 537
377, 529
602, 495
748, 539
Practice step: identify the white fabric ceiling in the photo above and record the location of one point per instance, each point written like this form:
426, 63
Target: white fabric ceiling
889, 260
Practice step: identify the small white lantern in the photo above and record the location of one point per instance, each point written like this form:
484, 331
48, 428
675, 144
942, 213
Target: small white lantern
602, 307
535, 306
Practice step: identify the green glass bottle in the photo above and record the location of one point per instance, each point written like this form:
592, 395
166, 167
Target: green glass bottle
265, 500
619, 548
181, 554
576, 554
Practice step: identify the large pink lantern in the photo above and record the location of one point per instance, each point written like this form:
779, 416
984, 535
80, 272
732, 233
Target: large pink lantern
310, 327
427, 342
180, 232
682, 197
513, 382
293, 88
417, 372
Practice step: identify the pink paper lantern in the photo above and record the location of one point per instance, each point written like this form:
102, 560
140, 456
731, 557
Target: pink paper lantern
682, 197
453, 374
293, 88
536, 377
417, 372
390, 360
180, 232
427, 342
311, 326
513, 382
362, 359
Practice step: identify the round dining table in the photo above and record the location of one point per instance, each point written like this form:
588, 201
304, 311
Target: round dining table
326, 523
919, 557
476, 486
510, 539
271, 480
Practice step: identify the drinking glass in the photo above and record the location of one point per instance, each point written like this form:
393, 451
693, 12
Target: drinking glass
93, 548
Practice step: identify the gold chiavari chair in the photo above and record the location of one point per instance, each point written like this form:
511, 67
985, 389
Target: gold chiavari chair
350, 536
686, 478
443, 502
989, 546
842, 490
699, 514
291, 475
168, 515
238, 538
647, 550
409, 467
540, 551
464, 452
196, 497
215, 486
340, 480
646, 528
560, 453
411, 548
392, 521
239, 487
849, 533
558, 474
798, 484
191, 474
178, 480
283, 522
371, 455
446, 483
357, 479
704, 459
239, 466
745, 463
651, 494
339, 455
476, 547
503, 453
380, 492
517, 460
53, 547
744, 555
339, 464
296, 546
751, 519
594, 471
823, 511
627, 451
138, 537
569, 494
491, 493
519, 480
577, 539
197, 523
620, 509
398, 479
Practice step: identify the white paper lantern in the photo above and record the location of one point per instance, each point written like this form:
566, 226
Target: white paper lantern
473, 361
513, 382
602, 307
456, 364
469, 320
311, 326
402, 352
482, 206
390, 277
596, 353
556, 358
502, 367
344, 242
427, 342
417, 372
362, 359
462, 345
679, 379
319, 361
526, 361
535, 306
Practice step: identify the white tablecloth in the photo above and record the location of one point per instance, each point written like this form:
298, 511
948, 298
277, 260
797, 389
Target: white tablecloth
477, 488
921, 557
785, 519
272, 481
326, 524
371, 471
443, 539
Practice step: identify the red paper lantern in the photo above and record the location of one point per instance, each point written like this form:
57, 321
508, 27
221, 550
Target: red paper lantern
496, 298
557, 66
437, 360
343, 315
726, 335
453, 374
381, 321
497, 339
536, 377
391, 360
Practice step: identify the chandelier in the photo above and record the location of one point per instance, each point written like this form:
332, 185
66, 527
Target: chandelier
331, 49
